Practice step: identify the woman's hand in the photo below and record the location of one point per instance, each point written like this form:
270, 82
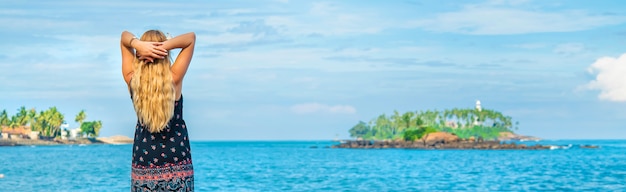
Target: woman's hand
149, 50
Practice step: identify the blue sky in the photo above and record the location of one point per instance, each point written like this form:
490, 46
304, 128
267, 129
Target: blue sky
309, 70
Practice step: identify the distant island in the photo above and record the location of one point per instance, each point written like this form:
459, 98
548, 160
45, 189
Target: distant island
48, 127
465, 123
456, 128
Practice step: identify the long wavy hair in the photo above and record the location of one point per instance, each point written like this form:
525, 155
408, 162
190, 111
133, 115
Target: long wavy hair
152, 88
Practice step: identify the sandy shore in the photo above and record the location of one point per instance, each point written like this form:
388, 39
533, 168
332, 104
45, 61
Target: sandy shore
117, 139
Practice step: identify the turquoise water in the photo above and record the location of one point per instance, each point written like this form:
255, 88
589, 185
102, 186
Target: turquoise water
295, 166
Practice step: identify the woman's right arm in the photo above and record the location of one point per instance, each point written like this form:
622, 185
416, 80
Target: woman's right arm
128, 44
187, 42
128, 55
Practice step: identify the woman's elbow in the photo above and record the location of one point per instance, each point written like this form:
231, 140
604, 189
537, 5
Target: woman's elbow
193, 36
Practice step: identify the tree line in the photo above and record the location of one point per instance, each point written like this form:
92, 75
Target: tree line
464, 123
48, 122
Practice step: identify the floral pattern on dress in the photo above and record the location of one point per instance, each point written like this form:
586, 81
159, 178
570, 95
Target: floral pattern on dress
162, 161
170, 177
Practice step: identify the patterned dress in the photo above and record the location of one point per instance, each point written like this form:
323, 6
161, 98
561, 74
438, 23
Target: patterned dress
162, 161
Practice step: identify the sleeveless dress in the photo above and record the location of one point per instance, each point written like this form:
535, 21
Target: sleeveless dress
162, 161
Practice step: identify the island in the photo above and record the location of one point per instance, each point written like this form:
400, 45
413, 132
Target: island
471, 128
48, 127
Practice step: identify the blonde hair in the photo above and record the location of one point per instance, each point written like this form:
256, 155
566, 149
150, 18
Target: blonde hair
152, 88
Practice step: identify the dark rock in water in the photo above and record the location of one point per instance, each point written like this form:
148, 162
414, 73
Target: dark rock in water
4, 142
441, 144
313, 147
437, 140
589, 146
443, 140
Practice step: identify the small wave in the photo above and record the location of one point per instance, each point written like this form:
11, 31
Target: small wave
120, 143
621, 146
553, 147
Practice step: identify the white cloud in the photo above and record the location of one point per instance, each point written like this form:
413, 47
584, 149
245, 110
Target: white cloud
569, 48
610, 78
211, 24
507, 2
14, 12
39, 25
69, 66
332, 19
322, 108
227, 38
85, 46
322, 8
529, 45
492, 19
307, 82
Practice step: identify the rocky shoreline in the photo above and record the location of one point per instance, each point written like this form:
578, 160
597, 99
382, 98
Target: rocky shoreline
41, 142
461, 144
443, 140
81, 141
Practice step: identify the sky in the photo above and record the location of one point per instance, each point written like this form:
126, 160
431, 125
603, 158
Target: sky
310, 70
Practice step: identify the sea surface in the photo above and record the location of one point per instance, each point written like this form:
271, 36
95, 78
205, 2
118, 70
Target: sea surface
311, 166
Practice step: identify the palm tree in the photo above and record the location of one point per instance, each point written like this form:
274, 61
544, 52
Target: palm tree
406, 120
45, 120
41, 123
417, 120
13, 123
32, 114
49, 122
56, 121
80, 117
96, 128
4, 118
382, 127
20, 119
396, 121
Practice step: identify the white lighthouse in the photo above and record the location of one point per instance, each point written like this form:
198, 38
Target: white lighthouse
478, 121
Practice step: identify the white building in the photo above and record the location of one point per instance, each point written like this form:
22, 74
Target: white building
74, 133
64, 127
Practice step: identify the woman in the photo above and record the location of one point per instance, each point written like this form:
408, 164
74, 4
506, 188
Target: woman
161, 153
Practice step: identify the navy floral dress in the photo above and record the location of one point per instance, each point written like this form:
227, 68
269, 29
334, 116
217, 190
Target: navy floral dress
162, 161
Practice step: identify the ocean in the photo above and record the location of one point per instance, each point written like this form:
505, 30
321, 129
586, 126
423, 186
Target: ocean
311, 166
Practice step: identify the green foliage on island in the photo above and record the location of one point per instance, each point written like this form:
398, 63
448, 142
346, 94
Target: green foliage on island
477, 131
464, 123
47, 123
88, 128
415, 134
